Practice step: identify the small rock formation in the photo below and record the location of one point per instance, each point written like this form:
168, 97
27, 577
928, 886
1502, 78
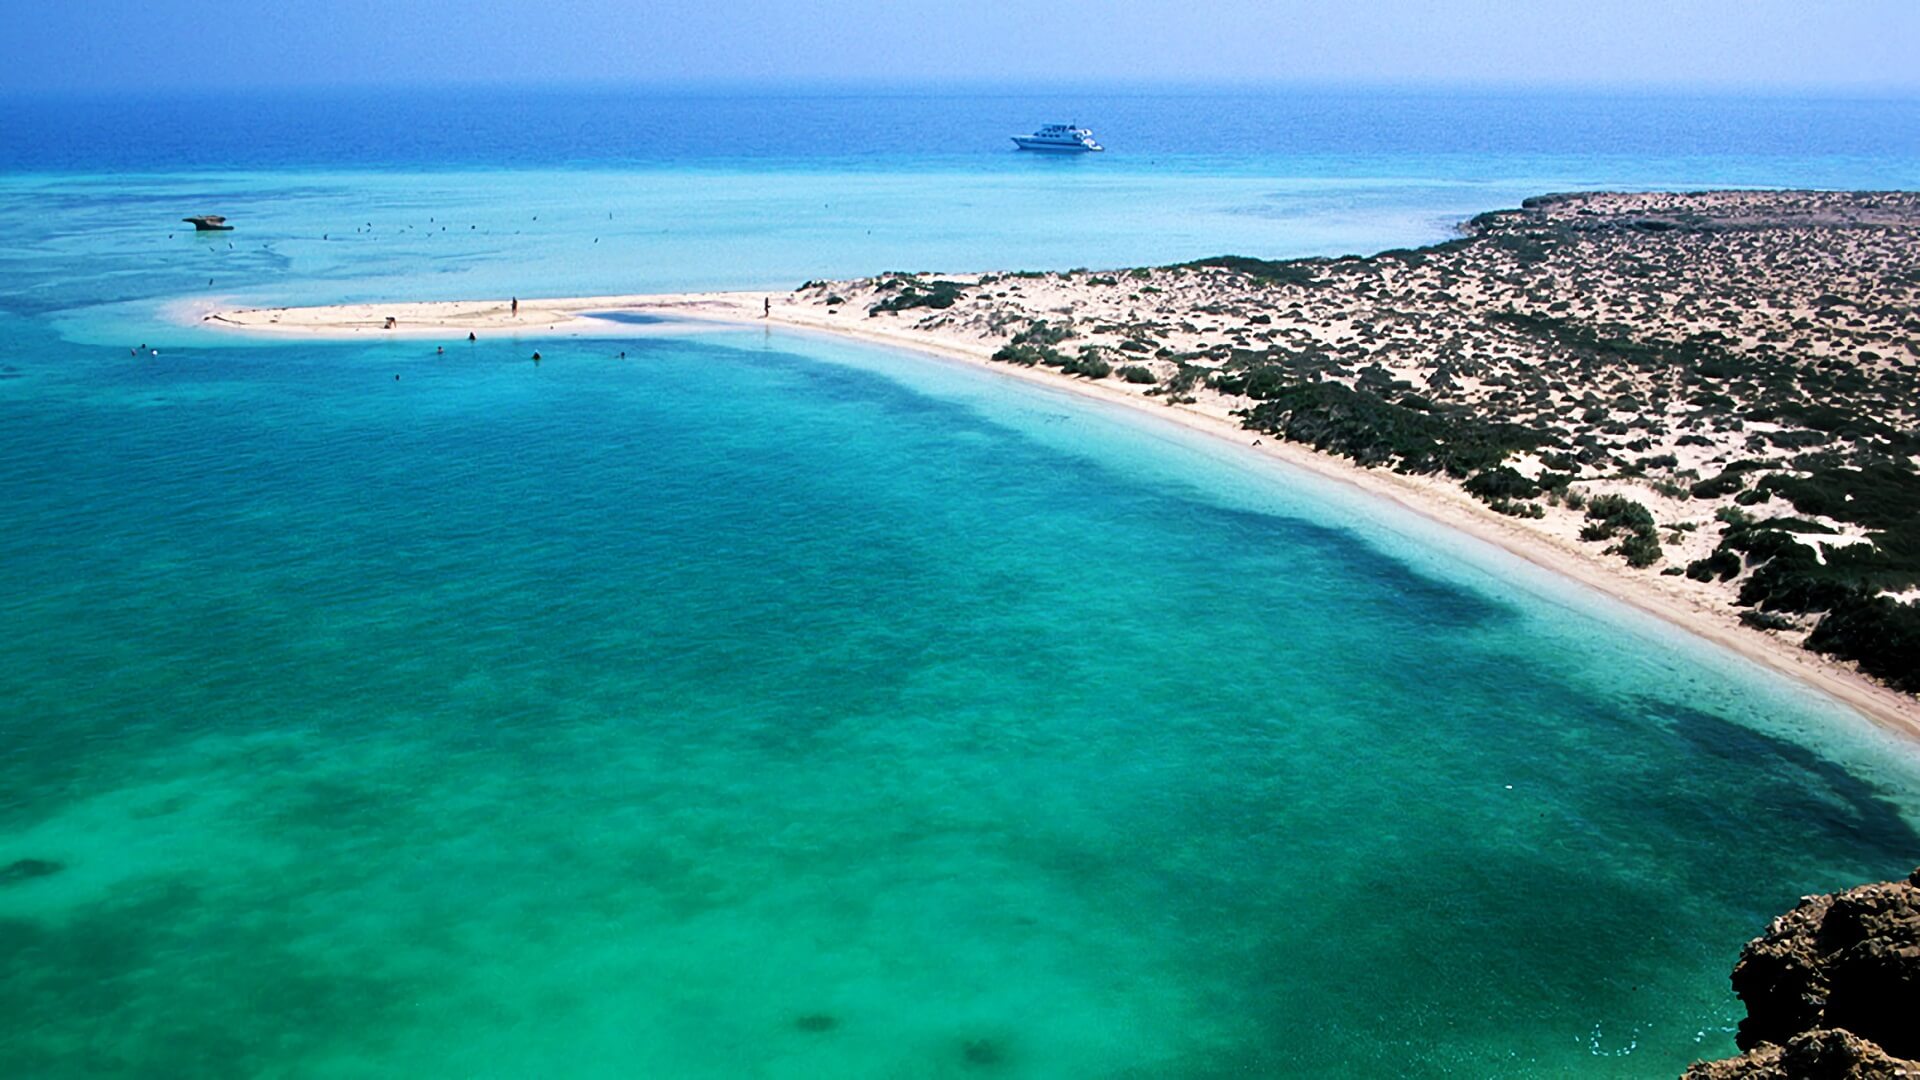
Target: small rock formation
1832, 989
208, 223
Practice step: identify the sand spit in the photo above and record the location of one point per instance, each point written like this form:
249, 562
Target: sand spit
1674, 351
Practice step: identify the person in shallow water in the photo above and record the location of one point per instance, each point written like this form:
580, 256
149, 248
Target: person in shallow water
516, 307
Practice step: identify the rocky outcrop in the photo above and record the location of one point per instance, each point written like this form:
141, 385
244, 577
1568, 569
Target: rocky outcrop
1825, 1054
1832, 989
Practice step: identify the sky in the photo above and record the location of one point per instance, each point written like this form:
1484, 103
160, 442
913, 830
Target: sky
188, 45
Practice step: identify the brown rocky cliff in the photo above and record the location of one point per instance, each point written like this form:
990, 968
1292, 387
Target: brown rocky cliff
1832, 989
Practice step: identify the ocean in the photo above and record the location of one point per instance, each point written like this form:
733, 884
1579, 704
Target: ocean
757, 705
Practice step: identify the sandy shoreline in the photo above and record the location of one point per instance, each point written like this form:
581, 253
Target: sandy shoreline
539, 318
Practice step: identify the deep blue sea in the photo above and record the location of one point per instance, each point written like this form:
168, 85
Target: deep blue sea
752, 705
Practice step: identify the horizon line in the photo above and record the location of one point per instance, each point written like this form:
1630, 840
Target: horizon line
1011, 87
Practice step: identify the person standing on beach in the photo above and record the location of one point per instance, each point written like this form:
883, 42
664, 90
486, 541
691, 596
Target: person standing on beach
766, 307
516, 307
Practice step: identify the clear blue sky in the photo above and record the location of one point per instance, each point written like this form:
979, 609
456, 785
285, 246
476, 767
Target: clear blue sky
196, 44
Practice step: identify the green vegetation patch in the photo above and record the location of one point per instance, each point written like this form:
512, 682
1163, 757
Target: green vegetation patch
1882, 636
1370, 429
1880, 496
1699, 353
1042, 332
1029, 355
1500, 483
912, 294
1265, 271
1609, 515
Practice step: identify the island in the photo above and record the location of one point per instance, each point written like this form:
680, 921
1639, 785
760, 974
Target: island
1706, 403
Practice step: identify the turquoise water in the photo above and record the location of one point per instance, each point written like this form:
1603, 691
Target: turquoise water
761, 706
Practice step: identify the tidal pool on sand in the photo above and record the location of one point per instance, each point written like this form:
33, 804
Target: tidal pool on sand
753, 706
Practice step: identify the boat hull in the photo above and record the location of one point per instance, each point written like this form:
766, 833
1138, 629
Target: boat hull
1054, 147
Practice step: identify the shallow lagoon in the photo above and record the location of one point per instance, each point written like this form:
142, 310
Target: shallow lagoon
755, 706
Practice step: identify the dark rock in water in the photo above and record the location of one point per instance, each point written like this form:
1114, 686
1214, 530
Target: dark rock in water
1822, 1054
982, 1052
1832, 989
1850, 960
816, 1022
27, 870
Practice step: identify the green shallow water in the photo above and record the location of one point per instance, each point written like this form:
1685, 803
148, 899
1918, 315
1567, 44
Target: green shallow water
755, 706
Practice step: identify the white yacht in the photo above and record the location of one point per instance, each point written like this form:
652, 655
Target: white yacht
1060, 138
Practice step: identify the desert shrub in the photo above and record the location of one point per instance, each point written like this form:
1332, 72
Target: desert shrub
1608, 514
1372, 430
1672, 490
1042, 332
1512, 508
1882, 495
1766, 620
1089, 364
1260, 381
1640, 549
1722, 564
1501, 483
1714, 487
934, 294
1134, 373
1029, 355
1881, 635
1266, 271
1620, 512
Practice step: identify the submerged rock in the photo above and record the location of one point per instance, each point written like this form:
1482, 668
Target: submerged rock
982, 1052
27, 870
1832, 989
816, 1022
